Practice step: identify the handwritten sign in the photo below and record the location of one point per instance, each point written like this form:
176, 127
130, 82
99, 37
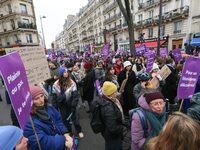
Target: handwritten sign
14, 76
35, 63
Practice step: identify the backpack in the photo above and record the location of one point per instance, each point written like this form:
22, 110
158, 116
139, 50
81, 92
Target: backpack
96, 121
142, 117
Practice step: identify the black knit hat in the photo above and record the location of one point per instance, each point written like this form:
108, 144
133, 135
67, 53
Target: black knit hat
153, 96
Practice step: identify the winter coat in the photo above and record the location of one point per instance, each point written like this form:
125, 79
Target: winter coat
50, 133
70, 96
194, 110
169, 90
88, 85
118, 69
112, 118
99, 73
137, 132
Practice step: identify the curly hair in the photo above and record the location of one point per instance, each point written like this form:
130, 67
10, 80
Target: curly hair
179, 133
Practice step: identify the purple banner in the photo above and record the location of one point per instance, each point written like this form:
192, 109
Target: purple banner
17, 86
177, 54
189, 77
163, 52
106, 51
98, 87
150, 62
140, 50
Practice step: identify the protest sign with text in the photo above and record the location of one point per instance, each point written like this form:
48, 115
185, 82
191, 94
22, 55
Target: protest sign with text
14, 76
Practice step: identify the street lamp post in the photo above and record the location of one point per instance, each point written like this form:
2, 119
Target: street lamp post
43, 31
159, 25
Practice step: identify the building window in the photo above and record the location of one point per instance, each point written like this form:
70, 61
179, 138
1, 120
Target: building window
163, 9
140, 1
9, 8
140, 17
177, 27
150, 31
151, 14
29, 38
23, 9
26, 21
182, 3
162, 30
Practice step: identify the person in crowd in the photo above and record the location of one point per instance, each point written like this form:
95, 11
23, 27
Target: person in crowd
88, 84
11, 137
67, 99
53, 65
138, 67
51, 132
169, 89
144, 85
118, 66
125, 72
112, 116
179, 133
194, 110
110, 75
99, 72
153, 108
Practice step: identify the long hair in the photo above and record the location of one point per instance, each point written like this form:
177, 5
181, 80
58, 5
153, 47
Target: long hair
108, 75
179, 133
64, 82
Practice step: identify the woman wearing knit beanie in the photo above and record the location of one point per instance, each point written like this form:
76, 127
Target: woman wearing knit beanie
51, 132
112, 117
66, 99
152, 106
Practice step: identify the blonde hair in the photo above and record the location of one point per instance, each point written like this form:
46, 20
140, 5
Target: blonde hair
179, 133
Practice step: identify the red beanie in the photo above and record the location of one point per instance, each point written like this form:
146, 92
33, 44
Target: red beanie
87, 65
35, 91
153, 96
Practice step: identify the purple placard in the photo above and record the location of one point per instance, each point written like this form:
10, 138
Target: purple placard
177, 54
189, 77
163, 52
14, 76
106, 51
140, 50
150, 62
98, 87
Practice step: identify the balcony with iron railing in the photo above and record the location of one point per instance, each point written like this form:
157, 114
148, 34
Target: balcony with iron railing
27, 25
180, 13
118, 27
113, 18
110, 7
149, 4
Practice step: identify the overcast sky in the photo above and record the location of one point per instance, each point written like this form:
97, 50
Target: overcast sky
56, 12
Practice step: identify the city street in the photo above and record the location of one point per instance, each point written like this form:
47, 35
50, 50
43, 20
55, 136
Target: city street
90, 141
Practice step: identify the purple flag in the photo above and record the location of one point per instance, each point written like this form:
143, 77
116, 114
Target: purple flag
106, 51
98, 87
163, 52
140, 50
150, 62
189, 77
177, 54
17, 86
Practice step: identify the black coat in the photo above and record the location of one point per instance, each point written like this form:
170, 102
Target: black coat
169, 90
88, 85
112, 118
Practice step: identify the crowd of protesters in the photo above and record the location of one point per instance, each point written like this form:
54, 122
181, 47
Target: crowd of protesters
126, 85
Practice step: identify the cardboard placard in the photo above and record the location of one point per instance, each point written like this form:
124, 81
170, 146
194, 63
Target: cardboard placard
35, 62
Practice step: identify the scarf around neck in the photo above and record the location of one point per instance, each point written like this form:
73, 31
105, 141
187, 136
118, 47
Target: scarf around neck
157, 122
42, 113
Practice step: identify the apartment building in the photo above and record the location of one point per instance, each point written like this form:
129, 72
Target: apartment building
17, 24
180, 19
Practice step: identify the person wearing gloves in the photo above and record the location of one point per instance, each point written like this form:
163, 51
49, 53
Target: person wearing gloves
67, 99
153, 107
112, 116
51, 132
11, 137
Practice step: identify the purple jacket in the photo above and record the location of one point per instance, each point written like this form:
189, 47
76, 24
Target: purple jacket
137, 132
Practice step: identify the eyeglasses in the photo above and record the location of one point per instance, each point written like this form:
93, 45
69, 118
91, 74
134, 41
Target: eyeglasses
161, 103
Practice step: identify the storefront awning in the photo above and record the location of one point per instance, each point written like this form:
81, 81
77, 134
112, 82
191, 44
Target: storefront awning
150, 44
195, 42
